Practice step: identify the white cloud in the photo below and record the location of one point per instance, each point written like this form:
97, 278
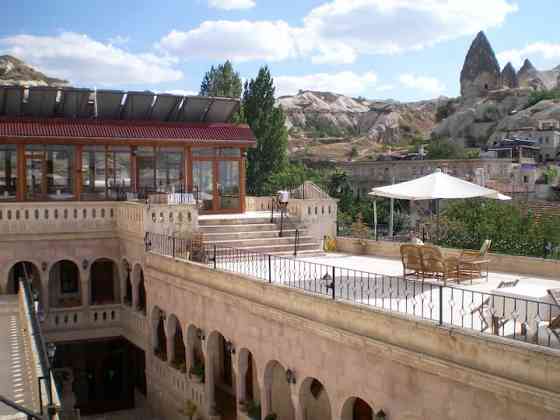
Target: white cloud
422, 83
119, 40
83, 60
546, 50
392, 26
231, 4
345, 82
339, 31
181, 92
235, 40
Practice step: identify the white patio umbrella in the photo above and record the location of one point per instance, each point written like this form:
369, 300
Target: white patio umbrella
435, 186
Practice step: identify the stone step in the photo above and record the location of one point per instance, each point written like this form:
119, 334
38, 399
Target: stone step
257, 242
217, 236
233, 221
271, 249
238, 228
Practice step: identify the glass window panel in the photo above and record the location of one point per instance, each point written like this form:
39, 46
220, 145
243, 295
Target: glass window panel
228, 185
203, 151
8, 172
94, 171
120, 171
230, 151
203, 182
145, 158
59, 164
169, 172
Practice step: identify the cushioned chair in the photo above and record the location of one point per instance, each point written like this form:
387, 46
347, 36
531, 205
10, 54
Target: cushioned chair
411, 260
435, 265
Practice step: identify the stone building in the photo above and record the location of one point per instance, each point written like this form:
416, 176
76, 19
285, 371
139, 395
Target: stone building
546, 136
481, 70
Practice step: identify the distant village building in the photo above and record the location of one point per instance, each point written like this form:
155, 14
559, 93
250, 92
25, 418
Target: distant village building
546, 136
502, 174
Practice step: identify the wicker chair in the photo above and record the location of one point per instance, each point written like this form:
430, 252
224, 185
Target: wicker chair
472, 263
435, 265
554, 324
411, 258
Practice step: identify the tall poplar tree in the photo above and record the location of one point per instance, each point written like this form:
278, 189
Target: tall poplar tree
221, 81
268, 124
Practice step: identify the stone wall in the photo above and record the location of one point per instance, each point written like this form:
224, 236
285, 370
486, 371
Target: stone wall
411, 369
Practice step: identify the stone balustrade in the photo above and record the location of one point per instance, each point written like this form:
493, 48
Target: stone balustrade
60, 319
130, 217
57, 217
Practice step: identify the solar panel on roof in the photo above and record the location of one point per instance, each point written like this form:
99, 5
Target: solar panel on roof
109, 104
194, 108
221, 110
41, 102
2, 96
74, 103
165, 107
137, 105
13, 100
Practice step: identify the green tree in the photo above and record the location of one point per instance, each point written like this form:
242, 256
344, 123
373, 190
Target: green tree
445, 149
268, 124
222, 81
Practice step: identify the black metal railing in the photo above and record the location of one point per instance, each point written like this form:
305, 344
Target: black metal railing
451, 306
30, 415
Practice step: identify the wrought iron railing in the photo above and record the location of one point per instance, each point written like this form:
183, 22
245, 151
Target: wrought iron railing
451, 306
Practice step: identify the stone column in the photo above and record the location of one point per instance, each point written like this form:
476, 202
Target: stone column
298, 409
170, 344
189, 349
242, 367
209, 378
266, 394
135, 286
85, 288
45, 292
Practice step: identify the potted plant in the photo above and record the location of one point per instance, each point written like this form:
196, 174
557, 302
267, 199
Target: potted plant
271, 416
196, 372
360, 232
253, 410
189, 409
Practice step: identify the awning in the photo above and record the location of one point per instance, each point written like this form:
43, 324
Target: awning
436, 186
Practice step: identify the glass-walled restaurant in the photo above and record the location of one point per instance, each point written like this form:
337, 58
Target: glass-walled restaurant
49, 172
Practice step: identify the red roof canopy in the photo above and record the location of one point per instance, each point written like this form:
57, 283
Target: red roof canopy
54, 128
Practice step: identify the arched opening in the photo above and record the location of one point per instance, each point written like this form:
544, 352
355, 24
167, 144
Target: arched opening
178, 353
278, 391
357, 409
160, 338
139, 278
22, 270
249, 392
314, 400
220, 376
127, 300
103, 281
64, 285
195, 356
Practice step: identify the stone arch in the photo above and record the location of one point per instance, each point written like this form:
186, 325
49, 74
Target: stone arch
356, 408
22, 269
127, 282
159, 334
103, 281
314, 400
139, 289
220, 376
176, 347
64, 284
249, 394
277, 392
195, 352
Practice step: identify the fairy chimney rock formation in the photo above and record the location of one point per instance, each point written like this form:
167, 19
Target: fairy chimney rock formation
509, 77
528, 76
481, 71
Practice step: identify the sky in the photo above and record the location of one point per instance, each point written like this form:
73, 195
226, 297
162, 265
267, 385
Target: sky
400, 49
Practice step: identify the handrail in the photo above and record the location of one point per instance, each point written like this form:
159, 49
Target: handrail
296, 242
445, 305
30, 414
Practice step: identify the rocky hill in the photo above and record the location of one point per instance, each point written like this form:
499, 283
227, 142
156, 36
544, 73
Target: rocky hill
494, 100
328, 126
15, 72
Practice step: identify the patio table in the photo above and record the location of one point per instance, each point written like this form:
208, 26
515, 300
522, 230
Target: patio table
526, 303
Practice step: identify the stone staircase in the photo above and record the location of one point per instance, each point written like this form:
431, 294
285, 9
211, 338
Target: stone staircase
257, 234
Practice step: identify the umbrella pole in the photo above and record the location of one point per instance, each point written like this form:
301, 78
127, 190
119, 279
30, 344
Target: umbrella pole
437, 216
391, 220
375, 218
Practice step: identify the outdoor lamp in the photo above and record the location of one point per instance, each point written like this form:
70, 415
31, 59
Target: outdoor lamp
230, 348
291, 376
85, 264
200, 334
44, 266
380, 415
51, 351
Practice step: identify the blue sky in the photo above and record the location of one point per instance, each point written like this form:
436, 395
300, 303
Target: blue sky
401, 49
